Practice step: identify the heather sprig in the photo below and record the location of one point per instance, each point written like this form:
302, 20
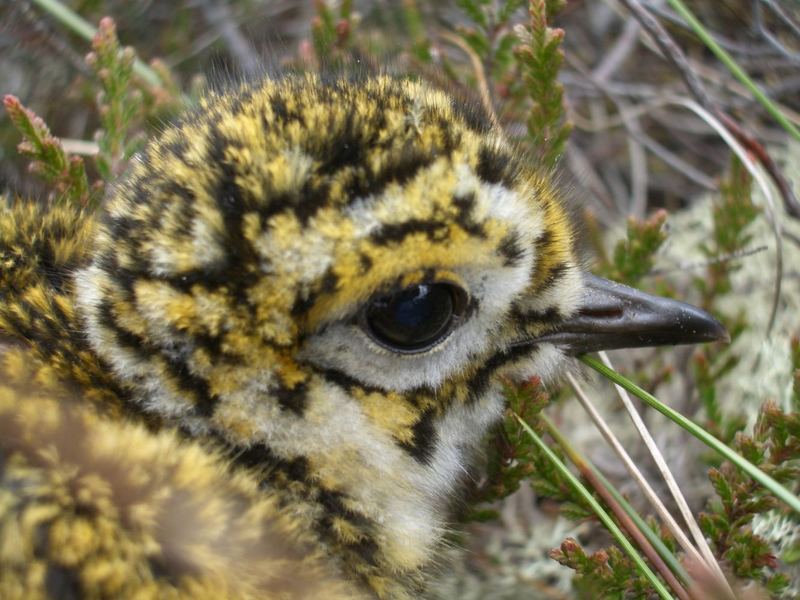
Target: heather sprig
540, 56
331, 30
119, 103
634, 256
65, 173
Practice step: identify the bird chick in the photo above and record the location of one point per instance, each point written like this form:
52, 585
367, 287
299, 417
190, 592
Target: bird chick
324, 280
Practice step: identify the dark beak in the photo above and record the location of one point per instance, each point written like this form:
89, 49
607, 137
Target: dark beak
613, 316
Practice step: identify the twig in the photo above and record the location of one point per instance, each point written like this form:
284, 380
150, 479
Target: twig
746, 50
785, 19
675, 55
638, 160
619, 52
58, 44
790, 201
582, 168
669, 49
84, 29
734, 68
677, 163
217, 14
762, 183
690, 266
758, 19
480, 75
792, 237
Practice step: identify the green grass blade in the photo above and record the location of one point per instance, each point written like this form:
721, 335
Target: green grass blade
698, 432
734, 68
574, 454
660, 547
607, 521
80, 26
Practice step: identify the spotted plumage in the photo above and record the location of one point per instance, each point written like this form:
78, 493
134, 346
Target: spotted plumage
302, 296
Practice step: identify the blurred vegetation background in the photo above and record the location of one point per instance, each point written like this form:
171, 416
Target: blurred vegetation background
620, 117
631, 149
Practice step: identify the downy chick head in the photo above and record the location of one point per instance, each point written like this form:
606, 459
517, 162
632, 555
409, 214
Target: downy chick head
337, 271
369, 232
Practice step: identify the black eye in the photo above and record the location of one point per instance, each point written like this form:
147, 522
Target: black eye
416, 318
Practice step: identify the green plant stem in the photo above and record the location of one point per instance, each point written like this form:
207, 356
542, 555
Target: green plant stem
582, 463
80, 26
697, 431
734, 68
607, 521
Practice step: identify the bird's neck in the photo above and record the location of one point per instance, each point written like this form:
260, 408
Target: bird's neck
381, 508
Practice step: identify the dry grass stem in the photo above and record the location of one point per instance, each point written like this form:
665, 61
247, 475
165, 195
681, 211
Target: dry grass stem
669, 479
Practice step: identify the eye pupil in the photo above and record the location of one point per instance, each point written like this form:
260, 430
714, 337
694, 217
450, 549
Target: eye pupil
413, 319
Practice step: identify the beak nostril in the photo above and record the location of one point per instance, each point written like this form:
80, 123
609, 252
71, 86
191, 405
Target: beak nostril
601, 312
